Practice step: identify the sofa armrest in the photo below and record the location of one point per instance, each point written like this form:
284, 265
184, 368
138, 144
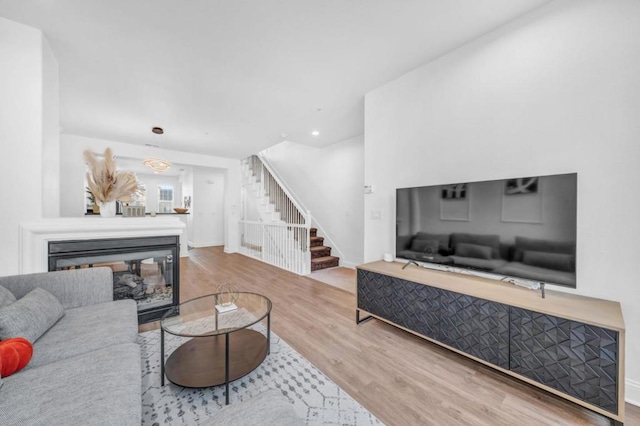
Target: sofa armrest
73, 288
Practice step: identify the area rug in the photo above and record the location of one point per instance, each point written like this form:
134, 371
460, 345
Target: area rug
315, 398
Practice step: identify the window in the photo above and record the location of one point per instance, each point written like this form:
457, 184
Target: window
165, 199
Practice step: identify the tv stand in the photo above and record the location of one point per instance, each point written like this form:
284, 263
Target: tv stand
570, 345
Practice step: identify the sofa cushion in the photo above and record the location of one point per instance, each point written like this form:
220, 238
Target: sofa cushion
475, 263
87, 329
267, 408
530, 244
31, 316
442, 238
473, 250
425, 246
492, 241
97, 388
6, 297
557, 261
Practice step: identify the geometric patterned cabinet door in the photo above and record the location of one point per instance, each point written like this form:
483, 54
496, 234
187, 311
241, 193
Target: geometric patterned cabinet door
476, 326
408, 304
575, 358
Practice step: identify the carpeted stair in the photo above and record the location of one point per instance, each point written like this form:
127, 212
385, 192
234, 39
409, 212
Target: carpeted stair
320, 254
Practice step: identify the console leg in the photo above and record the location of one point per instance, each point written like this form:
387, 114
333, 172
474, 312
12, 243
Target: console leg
358, 320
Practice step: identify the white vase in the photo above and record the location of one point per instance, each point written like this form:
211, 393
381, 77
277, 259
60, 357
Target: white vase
108, 209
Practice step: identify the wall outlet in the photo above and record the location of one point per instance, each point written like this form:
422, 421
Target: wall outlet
376, 214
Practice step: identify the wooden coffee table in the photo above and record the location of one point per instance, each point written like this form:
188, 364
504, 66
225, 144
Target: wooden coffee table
222, 347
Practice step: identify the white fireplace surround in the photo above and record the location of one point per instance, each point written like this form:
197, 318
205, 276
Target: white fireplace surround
35, 236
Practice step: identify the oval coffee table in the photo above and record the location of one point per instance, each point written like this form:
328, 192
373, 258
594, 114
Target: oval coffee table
222, 348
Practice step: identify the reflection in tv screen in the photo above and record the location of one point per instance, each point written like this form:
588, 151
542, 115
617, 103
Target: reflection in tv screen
521, 229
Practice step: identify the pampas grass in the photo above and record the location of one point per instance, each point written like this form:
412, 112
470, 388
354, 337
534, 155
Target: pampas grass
105, 182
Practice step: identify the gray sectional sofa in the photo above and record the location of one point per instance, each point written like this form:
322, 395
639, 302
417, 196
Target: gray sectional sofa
86, 368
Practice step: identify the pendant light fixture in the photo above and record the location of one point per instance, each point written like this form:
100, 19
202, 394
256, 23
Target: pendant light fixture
156, 164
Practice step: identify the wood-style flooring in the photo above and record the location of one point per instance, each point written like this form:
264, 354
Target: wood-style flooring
400, 378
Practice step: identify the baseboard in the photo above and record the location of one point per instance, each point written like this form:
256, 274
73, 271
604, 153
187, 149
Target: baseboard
632, 392
208, 244
349, 265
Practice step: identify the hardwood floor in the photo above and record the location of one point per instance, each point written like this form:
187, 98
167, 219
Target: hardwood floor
400, 378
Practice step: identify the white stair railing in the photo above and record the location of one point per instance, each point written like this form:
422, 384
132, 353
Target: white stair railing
280, 236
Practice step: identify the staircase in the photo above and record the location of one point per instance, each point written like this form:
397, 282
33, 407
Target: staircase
320, 254
274, 228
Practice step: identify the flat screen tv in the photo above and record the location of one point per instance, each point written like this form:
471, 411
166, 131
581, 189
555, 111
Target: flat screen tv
520, 230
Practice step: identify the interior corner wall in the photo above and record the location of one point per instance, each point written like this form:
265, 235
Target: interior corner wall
21, 131
50, 133
329, 182
555, 91
187, 191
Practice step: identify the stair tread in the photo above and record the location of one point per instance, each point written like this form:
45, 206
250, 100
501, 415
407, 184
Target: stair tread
324, 259
320, 248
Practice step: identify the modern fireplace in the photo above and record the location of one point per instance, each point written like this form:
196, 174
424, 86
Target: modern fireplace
145, 269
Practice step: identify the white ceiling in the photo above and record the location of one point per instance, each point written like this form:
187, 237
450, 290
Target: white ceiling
229, 77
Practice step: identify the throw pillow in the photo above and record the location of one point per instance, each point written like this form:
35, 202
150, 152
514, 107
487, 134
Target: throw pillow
557, 261
6, 297
486, 240
547, 246
425, 246
31, 316
15, 354
473, 250
442, 238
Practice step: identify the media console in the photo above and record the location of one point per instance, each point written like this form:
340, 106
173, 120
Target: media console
569, 345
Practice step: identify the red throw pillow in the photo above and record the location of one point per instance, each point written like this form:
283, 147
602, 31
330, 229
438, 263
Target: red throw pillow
15, 354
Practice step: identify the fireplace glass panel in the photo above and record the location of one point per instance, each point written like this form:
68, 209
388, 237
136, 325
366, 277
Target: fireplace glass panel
144, 276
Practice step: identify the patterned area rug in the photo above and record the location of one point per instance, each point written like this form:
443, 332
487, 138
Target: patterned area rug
314, 396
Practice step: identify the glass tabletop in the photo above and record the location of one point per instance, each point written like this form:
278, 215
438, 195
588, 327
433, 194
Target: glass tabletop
199, 317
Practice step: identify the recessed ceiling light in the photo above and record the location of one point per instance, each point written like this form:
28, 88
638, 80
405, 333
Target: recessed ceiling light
315, 133
157, 130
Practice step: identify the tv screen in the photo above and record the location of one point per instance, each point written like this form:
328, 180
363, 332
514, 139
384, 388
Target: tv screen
521, 230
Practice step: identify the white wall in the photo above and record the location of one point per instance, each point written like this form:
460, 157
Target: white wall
207, 207
21, 135
72, 168
329, 182
50, 133
556, 91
